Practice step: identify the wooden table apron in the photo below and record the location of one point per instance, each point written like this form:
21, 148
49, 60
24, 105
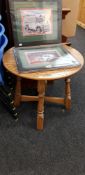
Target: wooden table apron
42, 77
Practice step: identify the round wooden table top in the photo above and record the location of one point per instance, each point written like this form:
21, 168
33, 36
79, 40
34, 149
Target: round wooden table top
10, 64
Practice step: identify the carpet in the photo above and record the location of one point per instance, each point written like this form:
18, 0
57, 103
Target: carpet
57, 150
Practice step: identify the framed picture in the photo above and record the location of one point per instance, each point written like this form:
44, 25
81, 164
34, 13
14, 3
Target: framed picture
43, 58
36, 22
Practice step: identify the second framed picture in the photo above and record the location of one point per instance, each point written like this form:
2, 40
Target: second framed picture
36, 22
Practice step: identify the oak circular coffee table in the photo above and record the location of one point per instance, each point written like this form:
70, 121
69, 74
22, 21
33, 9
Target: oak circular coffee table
42, 77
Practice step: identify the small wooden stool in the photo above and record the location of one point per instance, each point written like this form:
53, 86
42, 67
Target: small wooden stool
42, 78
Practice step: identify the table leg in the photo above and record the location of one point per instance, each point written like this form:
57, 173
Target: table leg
17, 92
40, 112
67, 94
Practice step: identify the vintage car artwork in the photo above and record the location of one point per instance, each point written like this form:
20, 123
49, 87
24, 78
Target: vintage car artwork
36, 22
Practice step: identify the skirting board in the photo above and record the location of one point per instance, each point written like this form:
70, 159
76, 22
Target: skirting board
81, 24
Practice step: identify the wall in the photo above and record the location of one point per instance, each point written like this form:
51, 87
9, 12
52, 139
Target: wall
69, 24
81, 16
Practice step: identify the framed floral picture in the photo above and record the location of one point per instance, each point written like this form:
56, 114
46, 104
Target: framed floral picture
36, 22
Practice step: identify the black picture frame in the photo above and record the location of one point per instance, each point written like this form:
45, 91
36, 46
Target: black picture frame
36, 22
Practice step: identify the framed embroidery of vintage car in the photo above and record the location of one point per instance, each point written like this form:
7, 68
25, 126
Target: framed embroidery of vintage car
36, 22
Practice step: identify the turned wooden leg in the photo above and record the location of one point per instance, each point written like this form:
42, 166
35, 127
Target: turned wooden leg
40, 112
67, 94
17, 97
